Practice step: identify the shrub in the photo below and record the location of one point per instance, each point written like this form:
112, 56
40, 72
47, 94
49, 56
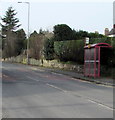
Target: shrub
62, 32
36, 45
49, 49
72, 50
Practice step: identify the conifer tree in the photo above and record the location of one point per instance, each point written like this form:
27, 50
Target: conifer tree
9, 38
10, 23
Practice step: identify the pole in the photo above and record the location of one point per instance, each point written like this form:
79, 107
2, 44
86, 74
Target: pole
28, 30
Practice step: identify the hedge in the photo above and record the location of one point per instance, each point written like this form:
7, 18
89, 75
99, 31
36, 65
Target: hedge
108, 40
72, 50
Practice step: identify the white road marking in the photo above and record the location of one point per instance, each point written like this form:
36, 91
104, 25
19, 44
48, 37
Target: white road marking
85, 81
56, 87
32, 68
89, 99
82, 96
100, 104
4, 75
94, 101
76, 79
33, 79
57, 74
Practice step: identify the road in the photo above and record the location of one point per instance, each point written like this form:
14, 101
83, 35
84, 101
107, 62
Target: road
31, 92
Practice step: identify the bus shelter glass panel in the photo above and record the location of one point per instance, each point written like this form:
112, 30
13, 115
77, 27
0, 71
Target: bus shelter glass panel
97, 69
91, 62
87, 58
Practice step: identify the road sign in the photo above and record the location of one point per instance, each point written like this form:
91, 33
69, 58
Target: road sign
86, 40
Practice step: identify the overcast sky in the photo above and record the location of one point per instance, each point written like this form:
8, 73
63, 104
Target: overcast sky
88, 15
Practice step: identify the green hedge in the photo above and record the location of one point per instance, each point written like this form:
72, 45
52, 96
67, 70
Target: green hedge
72, 50
100, 40
108, 40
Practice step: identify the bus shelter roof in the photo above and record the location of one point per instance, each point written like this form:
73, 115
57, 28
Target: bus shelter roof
97, 45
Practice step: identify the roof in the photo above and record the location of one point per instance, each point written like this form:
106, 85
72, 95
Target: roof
112, 32
98, 44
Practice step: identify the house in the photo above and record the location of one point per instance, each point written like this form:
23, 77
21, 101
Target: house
112, 33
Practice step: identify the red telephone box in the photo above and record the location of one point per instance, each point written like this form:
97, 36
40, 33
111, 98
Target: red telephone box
92, 59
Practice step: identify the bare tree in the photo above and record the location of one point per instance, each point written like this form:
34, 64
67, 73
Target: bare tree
36, 45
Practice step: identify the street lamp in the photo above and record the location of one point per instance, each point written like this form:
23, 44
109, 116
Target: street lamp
28, 30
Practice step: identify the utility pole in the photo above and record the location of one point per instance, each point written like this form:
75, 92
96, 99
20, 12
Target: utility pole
28, 30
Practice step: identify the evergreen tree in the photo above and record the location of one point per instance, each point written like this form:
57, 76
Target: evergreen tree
10, 22
49, 48
62, 32
9, 27
21, 41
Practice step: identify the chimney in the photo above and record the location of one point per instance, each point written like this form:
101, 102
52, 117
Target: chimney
114, 26
106, 31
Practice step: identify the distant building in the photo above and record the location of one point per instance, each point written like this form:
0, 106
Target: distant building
112, 32
97, 32
106, 32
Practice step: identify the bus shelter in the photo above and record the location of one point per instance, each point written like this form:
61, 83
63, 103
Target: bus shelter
92, 60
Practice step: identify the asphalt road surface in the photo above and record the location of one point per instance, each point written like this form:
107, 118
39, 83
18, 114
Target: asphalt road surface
30, 92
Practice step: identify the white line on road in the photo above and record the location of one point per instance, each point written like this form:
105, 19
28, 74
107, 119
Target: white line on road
100, 104
57, 74
84, 97
33, 79
85, 81
3, 75
95, 101
32, 68
56, 87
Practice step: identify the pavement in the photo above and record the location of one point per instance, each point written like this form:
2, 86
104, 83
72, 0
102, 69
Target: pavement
101, 80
